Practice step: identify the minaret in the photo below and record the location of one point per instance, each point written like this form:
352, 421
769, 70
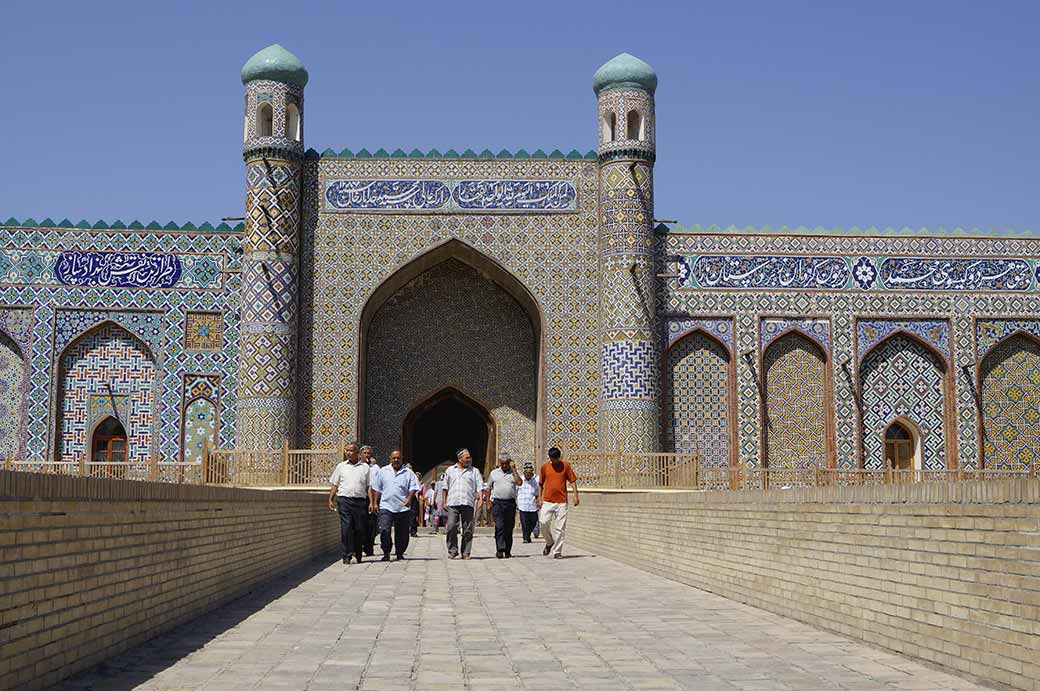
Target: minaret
273, 150
630, 343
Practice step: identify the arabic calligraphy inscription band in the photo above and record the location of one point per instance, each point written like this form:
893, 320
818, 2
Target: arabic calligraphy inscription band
451, 195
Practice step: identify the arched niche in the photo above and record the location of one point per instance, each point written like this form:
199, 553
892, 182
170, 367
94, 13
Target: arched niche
699, 400
106, 371
796, 432
1009, 394
452, 317
903, 376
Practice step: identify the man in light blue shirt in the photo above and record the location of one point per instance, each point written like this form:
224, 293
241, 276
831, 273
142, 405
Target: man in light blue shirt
394, 487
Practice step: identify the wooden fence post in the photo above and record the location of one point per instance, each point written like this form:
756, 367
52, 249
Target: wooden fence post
204, 479
617, 465
9, 462
285, 462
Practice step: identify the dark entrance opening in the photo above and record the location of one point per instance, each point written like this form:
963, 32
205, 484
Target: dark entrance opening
442, 424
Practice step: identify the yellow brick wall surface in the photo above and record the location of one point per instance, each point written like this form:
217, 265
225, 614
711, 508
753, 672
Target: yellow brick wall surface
948, 573
90, 567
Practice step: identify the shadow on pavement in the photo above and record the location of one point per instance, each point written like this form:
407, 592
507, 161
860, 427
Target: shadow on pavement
140, 663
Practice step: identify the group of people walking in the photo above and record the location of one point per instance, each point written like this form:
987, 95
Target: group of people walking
371, 499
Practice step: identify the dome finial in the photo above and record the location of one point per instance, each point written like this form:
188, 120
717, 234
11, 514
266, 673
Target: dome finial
276, 64
624, 70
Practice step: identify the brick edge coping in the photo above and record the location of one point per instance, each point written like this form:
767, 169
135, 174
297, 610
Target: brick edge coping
1010, 491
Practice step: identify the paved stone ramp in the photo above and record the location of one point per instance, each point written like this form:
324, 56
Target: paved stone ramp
526, 623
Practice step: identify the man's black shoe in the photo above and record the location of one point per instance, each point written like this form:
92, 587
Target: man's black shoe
368, 553
346, 560
545, 552
400, 557
499, 554
508, 555
386, 557
527, 541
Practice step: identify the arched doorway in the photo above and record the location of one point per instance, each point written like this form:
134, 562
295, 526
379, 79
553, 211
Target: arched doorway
452, 319
442, 424
899, 447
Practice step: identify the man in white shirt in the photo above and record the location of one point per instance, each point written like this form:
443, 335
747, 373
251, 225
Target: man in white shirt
463, 488
372, 526
501, 503
394, 489
349, 485
527, 503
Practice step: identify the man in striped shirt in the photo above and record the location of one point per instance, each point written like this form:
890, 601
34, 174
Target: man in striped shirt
463, 488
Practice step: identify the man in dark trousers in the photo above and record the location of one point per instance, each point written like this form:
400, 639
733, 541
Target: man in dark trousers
350, 490
394, 489
463, 489
373, 516
501, 502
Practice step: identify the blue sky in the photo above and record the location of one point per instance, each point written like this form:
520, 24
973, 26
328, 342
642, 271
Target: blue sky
769, 113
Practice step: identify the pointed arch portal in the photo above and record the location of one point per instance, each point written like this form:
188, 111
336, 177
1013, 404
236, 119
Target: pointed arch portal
453, 337
442, 424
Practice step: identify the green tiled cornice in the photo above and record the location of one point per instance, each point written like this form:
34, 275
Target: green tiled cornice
485, 155
676, 229
84, 224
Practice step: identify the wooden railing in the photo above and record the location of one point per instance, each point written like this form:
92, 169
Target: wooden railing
260, 468
153, 470
287, 467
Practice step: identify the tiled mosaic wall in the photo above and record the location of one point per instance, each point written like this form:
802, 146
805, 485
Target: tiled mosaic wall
1011, 403
850, 281
106, 372
63, 280
794, 369
517, 212
697, 405
452, 327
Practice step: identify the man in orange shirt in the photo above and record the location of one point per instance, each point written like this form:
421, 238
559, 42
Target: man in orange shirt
552, 501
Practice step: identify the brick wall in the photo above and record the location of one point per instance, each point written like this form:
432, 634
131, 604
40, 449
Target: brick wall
947, 573
90, 567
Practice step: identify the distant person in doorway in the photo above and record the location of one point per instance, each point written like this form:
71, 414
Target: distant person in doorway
527, 503
439, 513
417, 503
463, 489
501, 502
350, 489
373, 516
394, 489
552, 501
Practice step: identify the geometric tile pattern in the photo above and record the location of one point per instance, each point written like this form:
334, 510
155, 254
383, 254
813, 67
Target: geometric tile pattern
106, 372
476, 338
697, 399
719, 327
345, 257
819, 330
266, 415
1010, 392
901, 378
989, 332
155, 316
630, 337
203, 331
936, 332
12, 397
795, 375
201, 397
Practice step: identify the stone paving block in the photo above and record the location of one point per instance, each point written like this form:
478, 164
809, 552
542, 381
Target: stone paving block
430, 624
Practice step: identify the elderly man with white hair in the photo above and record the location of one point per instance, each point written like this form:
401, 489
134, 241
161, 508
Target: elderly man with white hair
463, 488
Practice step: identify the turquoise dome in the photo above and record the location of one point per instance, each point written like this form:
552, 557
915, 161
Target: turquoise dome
625, 70
276, 64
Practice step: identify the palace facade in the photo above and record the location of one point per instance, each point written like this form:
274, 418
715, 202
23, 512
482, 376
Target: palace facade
508, 301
